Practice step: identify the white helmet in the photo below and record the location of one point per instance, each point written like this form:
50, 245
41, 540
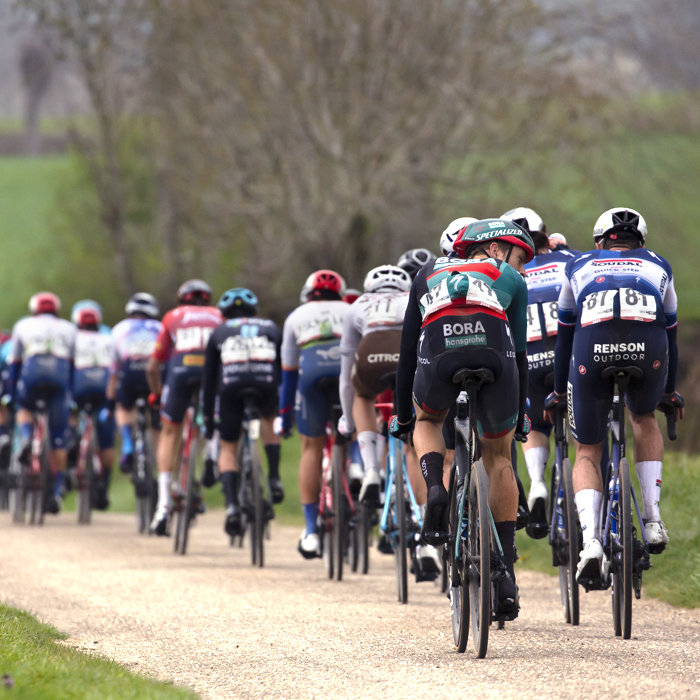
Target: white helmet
526, 218
387, 278
620, 219
556, 239
450, 233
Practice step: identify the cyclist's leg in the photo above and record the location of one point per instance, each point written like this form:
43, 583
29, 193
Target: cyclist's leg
230, 420
105, 441
58, 409
448, 434
131, 385
268, 412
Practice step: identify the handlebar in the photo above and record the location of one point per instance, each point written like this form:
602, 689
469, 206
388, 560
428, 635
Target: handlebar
671, 424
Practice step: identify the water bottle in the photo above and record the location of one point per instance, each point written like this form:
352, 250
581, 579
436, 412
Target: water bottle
560, 510
614, 498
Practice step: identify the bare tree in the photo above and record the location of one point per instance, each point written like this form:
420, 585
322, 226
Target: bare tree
36, 64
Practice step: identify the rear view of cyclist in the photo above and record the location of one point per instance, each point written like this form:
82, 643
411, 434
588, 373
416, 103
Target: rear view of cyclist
310, 352
469, 313
94, 351
617, 308
134, 342
447, 239
181, 343
544, 277
242, 353
412, 260
41, 368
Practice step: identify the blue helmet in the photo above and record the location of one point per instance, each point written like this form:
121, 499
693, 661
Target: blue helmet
238, 302
86, 304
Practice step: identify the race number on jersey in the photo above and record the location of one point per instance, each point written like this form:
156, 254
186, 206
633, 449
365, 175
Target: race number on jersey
534, 329
598, 307
192, 338
635, 306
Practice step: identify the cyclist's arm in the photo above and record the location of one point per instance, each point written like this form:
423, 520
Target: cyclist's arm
517, 318
153, 375
565, 336
670, 311
14, 362
111, 392
290, 354
212, 362
348, 345
408, 358
161, 351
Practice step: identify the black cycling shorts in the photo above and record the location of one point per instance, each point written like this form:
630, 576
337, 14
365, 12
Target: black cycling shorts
180, 384
613, 344
230, 408
469, 341
376, 357
540, 361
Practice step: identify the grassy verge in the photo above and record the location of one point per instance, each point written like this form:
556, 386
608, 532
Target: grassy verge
32, 658
675, 574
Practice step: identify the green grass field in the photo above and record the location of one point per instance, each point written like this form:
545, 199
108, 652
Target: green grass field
34, 660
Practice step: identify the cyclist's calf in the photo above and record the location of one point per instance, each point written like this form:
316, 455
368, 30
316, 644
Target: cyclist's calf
648, 443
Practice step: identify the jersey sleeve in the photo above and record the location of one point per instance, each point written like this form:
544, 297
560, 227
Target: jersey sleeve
517, 311
17, 347
670, 301
164, 341
567, 303
290, 351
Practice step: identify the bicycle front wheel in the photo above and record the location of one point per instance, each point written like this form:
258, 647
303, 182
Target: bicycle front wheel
479, 558
622, 576
567, 572
85, 487
257, 527
184, 517
401, 527
340, 524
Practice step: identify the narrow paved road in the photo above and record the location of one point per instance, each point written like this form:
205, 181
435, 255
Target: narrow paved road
211, 622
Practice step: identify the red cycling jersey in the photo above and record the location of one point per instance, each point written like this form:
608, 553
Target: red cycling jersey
185, 334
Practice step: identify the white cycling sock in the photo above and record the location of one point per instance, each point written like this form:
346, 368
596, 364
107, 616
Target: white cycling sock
588, 504
536, 460
164, 480
367, 440
649, 475
211, 448
421, 511
381, 450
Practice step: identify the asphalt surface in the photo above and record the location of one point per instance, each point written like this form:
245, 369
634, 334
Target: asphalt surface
211, 622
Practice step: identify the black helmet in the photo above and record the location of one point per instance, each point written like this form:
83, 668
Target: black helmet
412, 260
238, 302
194, 292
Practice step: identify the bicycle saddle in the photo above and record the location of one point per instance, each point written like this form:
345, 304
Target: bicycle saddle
630, 372
473, 376
249, 393
388, 381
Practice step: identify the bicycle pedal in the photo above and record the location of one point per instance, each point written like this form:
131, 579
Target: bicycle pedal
656, 548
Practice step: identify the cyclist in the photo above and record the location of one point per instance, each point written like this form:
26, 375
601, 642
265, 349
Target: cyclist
41, 366
134, 342
5, 437
181, 344
617, 307
412, 260
351, 296
557, 241
242, 353
543, 277
469, 313
93, 359
310, 351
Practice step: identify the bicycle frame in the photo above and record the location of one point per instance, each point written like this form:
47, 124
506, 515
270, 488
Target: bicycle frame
326, 506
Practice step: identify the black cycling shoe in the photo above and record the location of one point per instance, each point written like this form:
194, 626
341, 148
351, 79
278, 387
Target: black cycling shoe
269, 511
25, 451
523, 516
384, 545
232, 524
537, 527
52, 504
101, 499
508, 604
276, 490
437, 512
126, 462
209, 476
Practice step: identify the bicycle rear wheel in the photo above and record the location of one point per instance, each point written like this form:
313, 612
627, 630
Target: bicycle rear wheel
257, 527
144, 484
401, 527
85, 487
454, 570
18, 491
340, 524
567, 572
184, 517
479, 558
364, 531
622, 576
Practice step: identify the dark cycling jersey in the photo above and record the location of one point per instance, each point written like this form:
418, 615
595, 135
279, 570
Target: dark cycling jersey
449, 304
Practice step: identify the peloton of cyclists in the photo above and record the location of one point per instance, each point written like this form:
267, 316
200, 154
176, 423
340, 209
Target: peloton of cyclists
242, 353
469, 311
310, 352
617, 307
40, 370
180, 344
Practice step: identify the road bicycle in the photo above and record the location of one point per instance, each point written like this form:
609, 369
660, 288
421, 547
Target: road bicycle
254, 496
474, 553
30, 481
145, 486
564, 533
5, 457
89, 467
186, 499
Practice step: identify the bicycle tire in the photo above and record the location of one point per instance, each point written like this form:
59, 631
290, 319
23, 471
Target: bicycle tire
622, 578
365, 529
401, 527
571, 591
479, 557
144, 484
458, 580
185, 515
18, 494
258, 526
44, 482
354, 543
339, 511
85, 486
327, 550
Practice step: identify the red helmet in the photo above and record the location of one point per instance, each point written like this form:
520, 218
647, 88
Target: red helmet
194, 291
45, 303
86, 317
351, 295
324, 280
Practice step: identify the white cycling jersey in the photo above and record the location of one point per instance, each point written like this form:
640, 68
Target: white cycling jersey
372, 312
135, 340
93, 349
313, 322
44, 334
